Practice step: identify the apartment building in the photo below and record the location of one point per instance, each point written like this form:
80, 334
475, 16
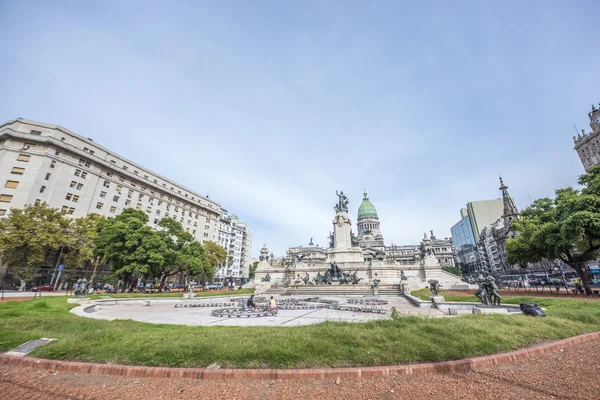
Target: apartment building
236, 237
40, 162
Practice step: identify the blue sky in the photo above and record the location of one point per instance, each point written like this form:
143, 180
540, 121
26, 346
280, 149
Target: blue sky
271, 106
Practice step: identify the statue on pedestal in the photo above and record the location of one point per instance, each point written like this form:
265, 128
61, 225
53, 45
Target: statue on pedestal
331, 240
81, 287
353, 239
434, 286
342, 205
403, 275
267, 278
191, 286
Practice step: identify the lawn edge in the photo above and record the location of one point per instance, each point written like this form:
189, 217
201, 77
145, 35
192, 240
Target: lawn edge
442, 367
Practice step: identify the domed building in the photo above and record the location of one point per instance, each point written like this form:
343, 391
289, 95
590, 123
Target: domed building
369, 234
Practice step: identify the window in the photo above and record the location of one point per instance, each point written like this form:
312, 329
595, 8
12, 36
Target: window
125, 167
127, 202
52, 164
57, 152
156, 220
168, 207
135, 172
119, 188
29, 146
99, 206
205, 234
73, 184
113, 161
181, 220
81, 161
145, 176
189, 222
48, 176
86, 149
69, 196
23, 157
75, 198
176, 209
160, 202
17, 171
167, 214
11, 184
37, 133
115, 198
195, 224
64, 209
79, 186
83, 175
187, 230
157, 212
206, 227
106, 184
155, 181
5, 198
103, 195
143, 187
91, 152
194, 232
207, 219
62, 139
141, 196
138, 206
71, 211
113, 209
42, 189
121, 178
77, 172
148, 209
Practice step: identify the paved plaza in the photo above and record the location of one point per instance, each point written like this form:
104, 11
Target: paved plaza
173, 311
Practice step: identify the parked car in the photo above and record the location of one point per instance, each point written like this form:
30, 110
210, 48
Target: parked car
43, 288
215, 285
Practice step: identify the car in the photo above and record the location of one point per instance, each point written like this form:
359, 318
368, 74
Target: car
216, 285
43, 288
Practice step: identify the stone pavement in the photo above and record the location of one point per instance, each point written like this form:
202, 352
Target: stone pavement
163, 311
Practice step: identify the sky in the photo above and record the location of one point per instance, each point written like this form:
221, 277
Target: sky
270, 107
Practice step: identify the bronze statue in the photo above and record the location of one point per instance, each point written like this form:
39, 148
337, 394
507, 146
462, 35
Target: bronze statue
342, 205
353, 239
492, 290
402, 275
434, 286
267, 278
331, 240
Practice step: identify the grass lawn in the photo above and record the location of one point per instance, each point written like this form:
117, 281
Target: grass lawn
333, 344
424, 294
172, 294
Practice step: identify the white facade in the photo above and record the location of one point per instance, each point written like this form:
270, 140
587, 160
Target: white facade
235, 237
48, 163
587, 145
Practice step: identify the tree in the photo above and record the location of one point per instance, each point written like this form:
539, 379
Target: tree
131, 246
565, 228
82, 237
31, 238
215, 256
185, 254
252, 270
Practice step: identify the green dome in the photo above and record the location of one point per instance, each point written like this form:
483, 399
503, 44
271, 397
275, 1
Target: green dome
366, 209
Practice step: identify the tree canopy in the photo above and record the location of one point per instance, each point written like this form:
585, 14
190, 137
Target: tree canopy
215, 256
30, 238
566, 227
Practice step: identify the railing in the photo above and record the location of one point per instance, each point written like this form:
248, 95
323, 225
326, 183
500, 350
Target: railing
6, 294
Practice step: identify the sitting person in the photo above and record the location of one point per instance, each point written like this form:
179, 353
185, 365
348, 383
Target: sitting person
272, 303
250, 302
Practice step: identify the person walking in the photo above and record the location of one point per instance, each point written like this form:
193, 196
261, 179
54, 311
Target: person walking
272, 303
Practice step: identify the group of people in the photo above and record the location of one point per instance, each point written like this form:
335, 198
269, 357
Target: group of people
252, 305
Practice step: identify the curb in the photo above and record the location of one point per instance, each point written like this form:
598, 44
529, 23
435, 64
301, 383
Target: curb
443, 367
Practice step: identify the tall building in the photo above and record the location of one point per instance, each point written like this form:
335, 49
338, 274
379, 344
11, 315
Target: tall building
369, 233
493, 237
235, 237
48, 163
466, 232
587, 144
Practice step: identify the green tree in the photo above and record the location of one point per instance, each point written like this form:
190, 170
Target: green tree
252, 270
185, 254
31, 238
131, 246
82, 237
214, 256
565, 228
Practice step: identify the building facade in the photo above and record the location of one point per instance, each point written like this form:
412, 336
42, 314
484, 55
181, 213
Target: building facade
587, 144
492, 240
368, 227
47, 163
465, 233
235, 237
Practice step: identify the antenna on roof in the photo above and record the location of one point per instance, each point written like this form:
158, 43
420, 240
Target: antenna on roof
576, 131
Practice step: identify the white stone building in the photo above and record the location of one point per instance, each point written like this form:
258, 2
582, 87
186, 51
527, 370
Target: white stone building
588, 144
48, 163
235, 237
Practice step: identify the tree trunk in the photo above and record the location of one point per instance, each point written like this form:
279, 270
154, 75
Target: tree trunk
163, 278
584, 279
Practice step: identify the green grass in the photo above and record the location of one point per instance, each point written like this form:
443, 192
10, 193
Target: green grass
424, 294
333, 344
172, 294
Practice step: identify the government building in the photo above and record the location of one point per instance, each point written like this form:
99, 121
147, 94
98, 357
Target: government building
40, 162
587, 144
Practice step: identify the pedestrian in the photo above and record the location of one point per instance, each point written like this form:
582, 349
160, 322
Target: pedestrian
250, 302
272, 303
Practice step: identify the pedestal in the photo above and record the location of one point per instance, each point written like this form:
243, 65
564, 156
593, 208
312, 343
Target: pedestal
437, 299
489, 310
189, 295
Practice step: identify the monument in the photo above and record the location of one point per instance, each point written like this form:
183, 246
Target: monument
345, 263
